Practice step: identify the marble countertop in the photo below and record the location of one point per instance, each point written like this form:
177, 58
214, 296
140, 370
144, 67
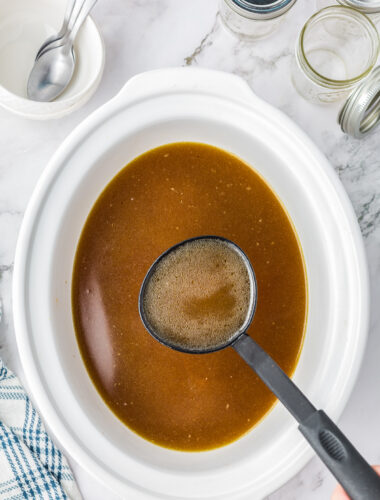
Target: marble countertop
146, 34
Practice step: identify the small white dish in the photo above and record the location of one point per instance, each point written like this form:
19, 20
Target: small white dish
24, 25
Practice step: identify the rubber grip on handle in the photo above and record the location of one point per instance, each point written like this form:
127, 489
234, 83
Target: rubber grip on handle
356, 476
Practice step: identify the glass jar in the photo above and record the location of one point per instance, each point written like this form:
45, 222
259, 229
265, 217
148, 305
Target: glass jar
369, 7
336, 49
253, 19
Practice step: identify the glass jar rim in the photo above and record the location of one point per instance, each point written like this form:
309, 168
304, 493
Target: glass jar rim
366, 23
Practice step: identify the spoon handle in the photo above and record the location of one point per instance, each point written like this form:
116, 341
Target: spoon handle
76, 13
79, 15
355, 475
57, 39
66, 21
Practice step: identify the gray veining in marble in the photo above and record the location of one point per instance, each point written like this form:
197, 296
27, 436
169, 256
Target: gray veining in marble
146, 34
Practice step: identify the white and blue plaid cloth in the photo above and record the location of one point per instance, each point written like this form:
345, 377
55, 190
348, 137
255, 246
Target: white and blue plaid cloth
31, 467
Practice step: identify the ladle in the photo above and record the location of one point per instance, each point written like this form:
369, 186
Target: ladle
356, 476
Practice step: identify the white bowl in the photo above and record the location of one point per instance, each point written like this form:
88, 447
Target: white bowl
216, 108
24, 25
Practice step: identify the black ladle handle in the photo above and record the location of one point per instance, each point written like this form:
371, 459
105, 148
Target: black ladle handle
356, 476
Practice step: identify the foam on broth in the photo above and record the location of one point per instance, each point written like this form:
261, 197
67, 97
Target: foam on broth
198, 295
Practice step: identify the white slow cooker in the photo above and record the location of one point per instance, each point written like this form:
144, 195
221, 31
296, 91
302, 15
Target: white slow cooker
156, 108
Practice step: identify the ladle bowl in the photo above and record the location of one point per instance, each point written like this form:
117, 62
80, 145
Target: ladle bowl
252, 303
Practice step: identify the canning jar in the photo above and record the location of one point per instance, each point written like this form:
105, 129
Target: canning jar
253, 18
336, 49
334, 58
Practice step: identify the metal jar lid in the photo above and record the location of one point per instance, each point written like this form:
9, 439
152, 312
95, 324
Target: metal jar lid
361, 111
261, 9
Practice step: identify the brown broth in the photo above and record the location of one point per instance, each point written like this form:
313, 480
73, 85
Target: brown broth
174, 192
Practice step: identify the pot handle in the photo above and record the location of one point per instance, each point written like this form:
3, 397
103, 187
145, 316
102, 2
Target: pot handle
179, 80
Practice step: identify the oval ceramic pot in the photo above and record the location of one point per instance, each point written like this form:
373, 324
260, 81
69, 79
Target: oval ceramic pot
156, 108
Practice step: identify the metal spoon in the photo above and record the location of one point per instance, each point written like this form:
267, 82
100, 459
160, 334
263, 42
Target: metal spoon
58, 36
54, 68
74, 8
355, 475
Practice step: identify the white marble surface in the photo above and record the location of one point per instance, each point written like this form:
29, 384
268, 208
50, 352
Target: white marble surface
146, 34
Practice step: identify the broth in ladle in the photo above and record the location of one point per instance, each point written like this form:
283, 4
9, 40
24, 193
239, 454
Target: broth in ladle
198, 295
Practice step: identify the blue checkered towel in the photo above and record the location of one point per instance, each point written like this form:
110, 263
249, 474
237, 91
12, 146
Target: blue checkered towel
31, 467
